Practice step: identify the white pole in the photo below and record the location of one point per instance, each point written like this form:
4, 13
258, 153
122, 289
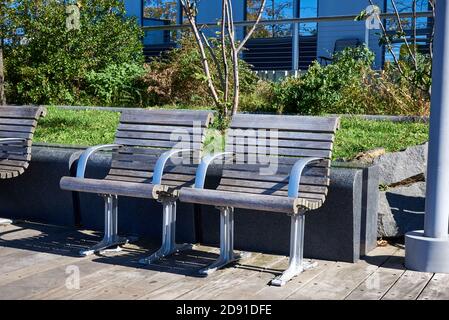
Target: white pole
437, 197
428, 250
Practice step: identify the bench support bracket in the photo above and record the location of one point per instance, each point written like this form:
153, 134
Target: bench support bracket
169, 245
296, 264
227, 255
111, 238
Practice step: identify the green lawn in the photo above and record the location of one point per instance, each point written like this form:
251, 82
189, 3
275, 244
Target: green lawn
88, 128
356, 135
85, 128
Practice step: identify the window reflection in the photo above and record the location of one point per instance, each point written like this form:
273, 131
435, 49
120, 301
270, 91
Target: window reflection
282, 9
161, 10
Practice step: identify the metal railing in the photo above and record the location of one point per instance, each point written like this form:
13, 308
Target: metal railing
425, 14
295, 23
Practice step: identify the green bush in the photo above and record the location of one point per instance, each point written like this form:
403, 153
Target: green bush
177, 77
117, 85
50, 64
324, 89
261, 99
350, 86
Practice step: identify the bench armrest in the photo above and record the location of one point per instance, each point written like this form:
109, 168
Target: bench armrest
295, 175
162, 161
11, 140
84, 157
201, 172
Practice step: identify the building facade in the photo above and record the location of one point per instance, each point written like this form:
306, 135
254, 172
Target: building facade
272, 46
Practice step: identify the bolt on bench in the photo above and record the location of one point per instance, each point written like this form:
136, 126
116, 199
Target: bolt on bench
155, 154
17, 126
272, 163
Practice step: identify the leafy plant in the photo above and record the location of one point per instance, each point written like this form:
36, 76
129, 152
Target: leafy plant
324, 89
48, 63
350, 86
177, 76
119, 85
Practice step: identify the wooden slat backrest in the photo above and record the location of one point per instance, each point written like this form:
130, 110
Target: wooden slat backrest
146, 134
17, 122
263, 140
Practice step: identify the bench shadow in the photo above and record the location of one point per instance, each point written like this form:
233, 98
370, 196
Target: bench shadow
69, 242
36, 237
186, 263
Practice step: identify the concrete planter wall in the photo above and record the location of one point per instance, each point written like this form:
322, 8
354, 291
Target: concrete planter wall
343, 229
402, 199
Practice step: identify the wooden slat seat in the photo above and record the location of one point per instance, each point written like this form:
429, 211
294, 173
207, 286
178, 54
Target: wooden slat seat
17, 122
119, 188
272, 163
145, 136
258, 141
17, 126
143, 139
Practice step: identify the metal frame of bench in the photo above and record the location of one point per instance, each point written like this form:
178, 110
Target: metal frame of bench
142, 137
303, 188
17, 126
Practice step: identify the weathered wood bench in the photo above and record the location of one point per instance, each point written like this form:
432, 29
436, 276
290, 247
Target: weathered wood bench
156, 152
17, 126
272, 163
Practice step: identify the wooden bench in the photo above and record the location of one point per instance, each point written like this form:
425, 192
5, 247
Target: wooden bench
279, 164
155, 154
17, 125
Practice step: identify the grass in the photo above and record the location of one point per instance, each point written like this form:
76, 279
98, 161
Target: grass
92, 127
85, 128
357, 135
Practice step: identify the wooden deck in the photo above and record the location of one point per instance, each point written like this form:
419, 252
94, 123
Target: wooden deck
41, 262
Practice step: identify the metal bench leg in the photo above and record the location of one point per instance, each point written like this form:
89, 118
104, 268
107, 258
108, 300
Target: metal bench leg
296, 264
227, 254
111, 238
169, 245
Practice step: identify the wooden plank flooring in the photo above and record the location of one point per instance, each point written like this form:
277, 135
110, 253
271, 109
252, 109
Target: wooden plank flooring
37, 262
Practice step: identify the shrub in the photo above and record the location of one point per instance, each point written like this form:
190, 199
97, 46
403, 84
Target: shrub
49, 64
117, 85
177, 76
350, 85
323, 89
261, 99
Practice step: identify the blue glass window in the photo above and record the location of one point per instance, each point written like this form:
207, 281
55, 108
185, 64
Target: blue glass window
166, 10
274, 10
423, 24
282, 9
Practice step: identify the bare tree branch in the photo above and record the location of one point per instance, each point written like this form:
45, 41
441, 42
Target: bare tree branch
188, 9
224, 54
411, 52
228, 44
235, 59
253, 28
432, 36
214, 58
388, 44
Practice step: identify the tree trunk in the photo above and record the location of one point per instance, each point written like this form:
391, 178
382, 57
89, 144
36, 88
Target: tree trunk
2, 79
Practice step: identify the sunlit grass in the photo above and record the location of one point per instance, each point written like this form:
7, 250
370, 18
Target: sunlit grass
91, 127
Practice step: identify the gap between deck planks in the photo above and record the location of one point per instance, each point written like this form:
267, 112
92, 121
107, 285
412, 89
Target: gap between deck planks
34, 267
380, 281
337, 282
